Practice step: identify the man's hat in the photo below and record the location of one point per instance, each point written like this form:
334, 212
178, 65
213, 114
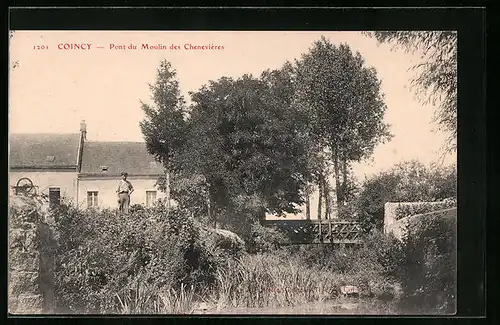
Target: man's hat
124, 174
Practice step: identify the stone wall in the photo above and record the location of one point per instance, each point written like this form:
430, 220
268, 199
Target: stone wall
401, 227
392, 220
30, 272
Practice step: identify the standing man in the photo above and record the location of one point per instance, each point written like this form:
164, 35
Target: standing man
124, 190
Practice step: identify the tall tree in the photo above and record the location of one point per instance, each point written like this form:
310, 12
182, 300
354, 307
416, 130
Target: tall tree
344, 101
435, 79
164, 126
246, 141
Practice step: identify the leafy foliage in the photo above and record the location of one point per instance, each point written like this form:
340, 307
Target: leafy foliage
406, 210
343, 102
164, 126
263, 239
102, 253
374, 267
409, 181
429, 269
248, 152
344, 99
248, 146
190, 192
435, 78
156, 262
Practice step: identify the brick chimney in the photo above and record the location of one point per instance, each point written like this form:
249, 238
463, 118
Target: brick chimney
83, 129
83, 138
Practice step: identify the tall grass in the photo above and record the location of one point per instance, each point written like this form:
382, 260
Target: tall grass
267, 280
253, 281
146, 299
176, 301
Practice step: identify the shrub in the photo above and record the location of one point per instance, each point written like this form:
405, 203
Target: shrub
405, 182
263, 239
134, 208
373, 266
219, 247
101, 253
429, 270
225, 243
413, 208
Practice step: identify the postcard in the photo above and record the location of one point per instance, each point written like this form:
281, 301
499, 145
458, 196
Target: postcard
232, 172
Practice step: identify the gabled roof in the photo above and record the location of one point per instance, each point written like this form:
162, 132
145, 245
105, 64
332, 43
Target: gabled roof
43, 150
117, 157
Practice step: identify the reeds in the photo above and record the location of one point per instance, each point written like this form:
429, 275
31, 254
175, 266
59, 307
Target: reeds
268, 281
146, 299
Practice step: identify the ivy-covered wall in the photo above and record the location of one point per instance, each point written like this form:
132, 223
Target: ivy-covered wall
30, 272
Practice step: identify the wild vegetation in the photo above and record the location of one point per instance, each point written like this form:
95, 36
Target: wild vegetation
154, 261
409, 181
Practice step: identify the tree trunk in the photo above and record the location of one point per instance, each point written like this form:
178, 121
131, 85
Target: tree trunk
344, 184
320, 196
215, 220
209, 207
308, 207
168, 191
214, 211
338, 187
326, 193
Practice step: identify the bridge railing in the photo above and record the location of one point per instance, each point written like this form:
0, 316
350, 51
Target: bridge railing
319, 231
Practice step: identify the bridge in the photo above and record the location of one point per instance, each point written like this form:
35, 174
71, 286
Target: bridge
318, 231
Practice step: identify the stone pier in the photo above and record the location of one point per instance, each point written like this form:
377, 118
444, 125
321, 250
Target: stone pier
30, 270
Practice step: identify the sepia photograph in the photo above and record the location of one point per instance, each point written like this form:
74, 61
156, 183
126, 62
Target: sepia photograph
232, 172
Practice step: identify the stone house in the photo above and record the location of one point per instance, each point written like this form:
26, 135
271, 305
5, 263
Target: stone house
80, 171
50, 161
102, 164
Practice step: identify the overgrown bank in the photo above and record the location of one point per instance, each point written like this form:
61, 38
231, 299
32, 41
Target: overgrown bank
157, 262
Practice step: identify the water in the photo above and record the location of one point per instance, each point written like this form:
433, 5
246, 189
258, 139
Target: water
328, 307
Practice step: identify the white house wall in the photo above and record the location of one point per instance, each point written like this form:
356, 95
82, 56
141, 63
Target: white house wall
65, 180
106, 188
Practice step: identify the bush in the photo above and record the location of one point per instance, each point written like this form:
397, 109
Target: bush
429, 270
406, 182
410, 209
221, 246
263, 239
101, 253
373, 266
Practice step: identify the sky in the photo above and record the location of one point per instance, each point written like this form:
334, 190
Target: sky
51, 90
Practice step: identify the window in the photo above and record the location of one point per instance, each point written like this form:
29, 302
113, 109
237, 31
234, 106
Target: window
92, 198
54, 197
150, 198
